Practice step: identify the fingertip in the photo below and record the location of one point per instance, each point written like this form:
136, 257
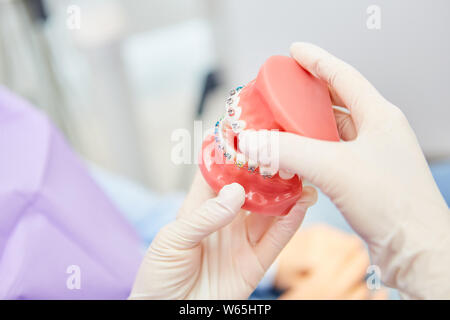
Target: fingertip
309, 196
307, 200
297, 48
293, 48
238, 189
232, 195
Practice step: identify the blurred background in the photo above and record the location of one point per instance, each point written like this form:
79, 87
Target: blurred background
118, 77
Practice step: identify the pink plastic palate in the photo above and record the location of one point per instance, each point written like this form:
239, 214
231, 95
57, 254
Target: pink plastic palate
286, 97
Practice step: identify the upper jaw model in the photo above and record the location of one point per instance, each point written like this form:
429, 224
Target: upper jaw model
283, 97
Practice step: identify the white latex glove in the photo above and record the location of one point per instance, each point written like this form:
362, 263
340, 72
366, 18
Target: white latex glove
215, 250
377, 177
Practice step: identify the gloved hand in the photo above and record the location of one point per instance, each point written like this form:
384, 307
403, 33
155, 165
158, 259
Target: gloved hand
215, 250
321, 262
377, 177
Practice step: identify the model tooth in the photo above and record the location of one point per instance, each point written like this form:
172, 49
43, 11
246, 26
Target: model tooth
252, 165
267, 172
229, 156
240, 160
286, 175
238, 126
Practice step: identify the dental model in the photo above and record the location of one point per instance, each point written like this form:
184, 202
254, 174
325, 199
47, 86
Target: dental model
283, 97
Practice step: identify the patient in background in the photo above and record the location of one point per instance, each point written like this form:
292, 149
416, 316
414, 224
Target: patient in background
322, 262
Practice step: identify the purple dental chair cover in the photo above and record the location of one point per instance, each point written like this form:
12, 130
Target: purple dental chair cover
53, 216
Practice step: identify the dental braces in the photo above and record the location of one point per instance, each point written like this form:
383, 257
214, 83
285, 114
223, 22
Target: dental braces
232, 118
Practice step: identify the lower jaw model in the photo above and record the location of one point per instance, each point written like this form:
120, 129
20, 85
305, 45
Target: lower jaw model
283, 97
